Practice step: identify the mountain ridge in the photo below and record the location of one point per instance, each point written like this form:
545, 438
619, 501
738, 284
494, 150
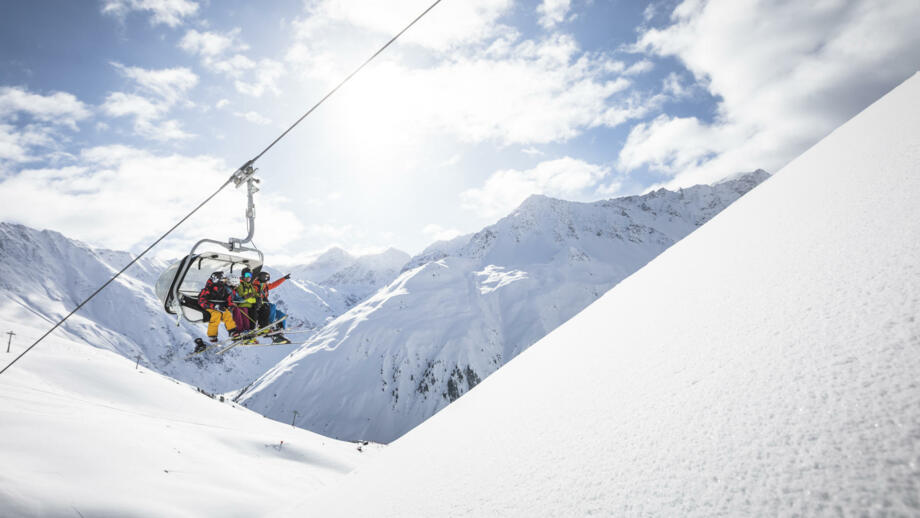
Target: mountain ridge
460, 310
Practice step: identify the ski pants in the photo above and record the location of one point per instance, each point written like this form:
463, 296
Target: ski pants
216, 318
274, 314
241, 317
260, 314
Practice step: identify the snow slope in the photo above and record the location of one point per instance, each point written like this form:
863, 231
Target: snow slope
85, 433
462, 309
764, 366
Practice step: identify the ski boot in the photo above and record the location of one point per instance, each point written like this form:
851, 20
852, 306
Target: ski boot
200, 345
280, 339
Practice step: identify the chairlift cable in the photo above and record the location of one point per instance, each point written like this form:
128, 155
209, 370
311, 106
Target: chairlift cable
234, 177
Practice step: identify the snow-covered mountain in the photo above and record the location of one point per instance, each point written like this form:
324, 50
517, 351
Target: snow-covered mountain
766, 365
328, 263
366, 275
345, 280
49, 274
462, 309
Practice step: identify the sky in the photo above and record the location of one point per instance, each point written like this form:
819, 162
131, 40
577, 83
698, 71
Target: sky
117, 117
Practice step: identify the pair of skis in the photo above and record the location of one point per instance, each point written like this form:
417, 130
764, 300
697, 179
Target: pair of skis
237, 340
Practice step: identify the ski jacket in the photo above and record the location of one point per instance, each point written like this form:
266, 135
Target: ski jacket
214, 294
246, 294
263, 289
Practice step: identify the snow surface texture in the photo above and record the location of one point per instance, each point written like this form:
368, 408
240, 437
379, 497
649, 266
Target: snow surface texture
85, 433
53, 274
764, 366
463, 308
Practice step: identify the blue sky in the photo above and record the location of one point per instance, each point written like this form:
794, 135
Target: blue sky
118, 116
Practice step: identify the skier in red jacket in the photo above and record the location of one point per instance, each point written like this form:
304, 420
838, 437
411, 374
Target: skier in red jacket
263, 286
215, 299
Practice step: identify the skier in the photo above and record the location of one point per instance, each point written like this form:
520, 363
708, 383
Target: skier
215, 299
247, 299
263, 286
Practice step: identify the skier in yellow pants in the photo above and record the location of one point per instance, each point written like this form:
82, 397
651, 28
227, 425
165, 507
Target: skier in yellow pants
215, 298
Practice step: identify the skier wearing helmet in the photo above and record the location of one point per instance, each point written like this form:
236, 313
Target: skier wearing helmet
263, 286
247, 299
215, 299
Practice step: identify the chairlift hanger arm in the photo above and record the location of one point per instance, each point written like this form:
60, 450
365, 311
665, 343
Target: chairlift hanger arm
246, 174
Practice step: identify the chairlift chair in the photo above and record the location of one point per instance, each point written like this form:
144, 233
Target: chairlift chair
179, 285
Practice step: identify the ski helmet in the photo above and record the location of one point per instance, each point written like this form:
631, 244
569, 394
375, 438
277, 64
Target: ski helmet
264, 276
246, 274
217, 276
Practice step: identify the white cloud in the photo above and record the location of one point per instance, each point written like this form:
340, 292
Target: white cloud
169, 84
222, 53
448, 25
674, 87
552, 12
786, 73
209, 45
168, 12
529, 92
234, 66
57, 108
532, 151
162, 90
639, 67
223, 103
14, 145
265, 76
254, 118
653, 144
452, 160
33, 126
566, 178
121, 197
439, 233
120, 104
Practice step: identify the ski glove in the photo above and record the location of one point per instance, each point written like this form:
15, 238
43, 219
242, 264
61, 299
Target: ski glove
288, 276
251, 300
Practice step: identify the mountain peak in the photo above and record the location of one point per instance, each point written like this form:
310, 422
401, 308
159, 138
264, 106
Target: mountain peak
334, 253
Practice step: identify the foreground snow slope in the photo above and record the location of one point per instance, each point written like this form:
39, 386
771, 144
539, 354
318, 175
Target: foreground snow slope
766, 365
84, 433
460, 310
